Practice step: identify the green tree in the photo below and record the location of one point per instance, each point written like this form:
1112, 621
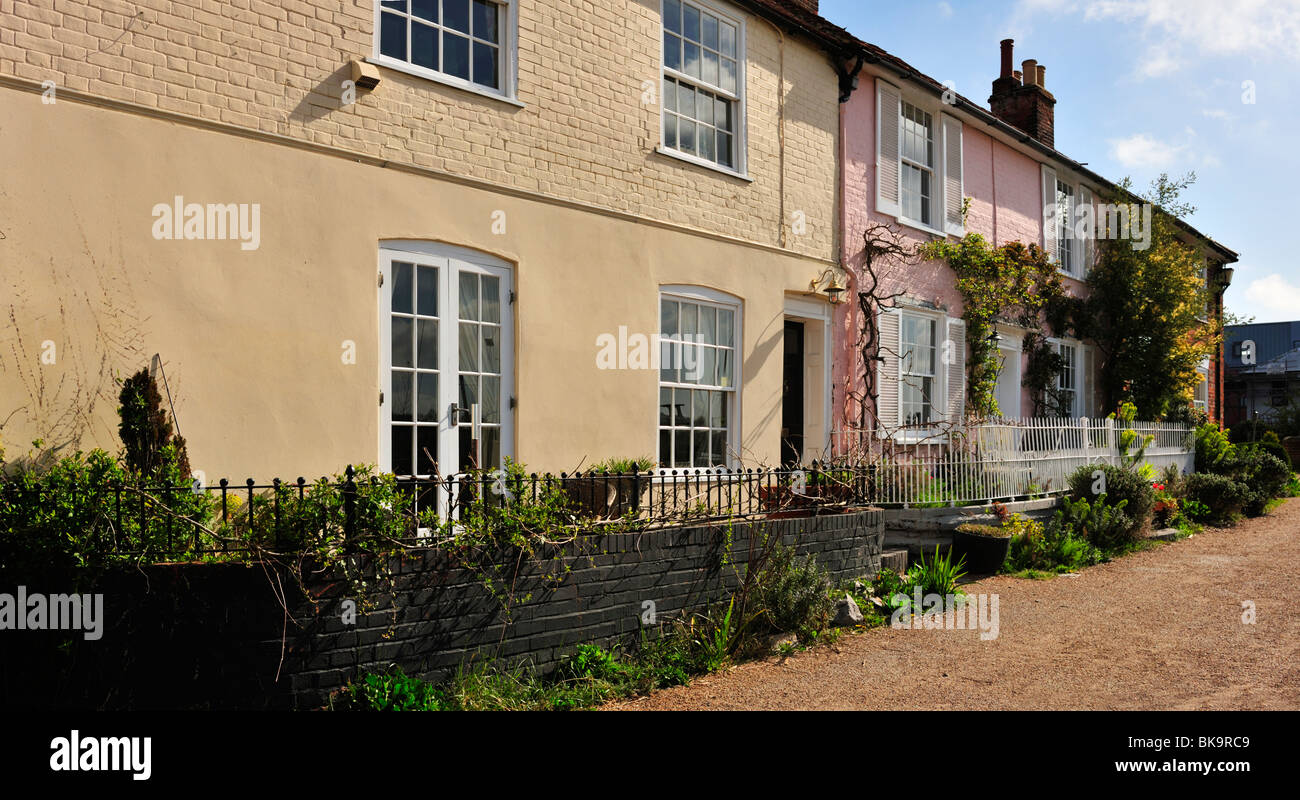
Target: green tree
1147, 309
146, 432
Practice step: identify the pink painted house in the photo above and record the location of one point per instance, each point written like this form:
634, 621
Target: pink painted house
912, 153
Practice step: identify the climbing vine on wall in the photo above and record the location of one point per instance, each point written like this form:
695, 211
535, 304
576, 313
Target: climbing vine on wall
1014, 283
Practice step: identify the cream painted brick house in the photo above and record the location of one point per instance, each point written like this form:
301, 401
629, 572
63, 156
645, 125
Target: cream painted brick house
527, 181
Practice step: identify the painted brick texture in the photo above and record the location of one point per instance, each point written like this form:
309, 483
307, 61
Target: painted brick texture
210, 635
584, 133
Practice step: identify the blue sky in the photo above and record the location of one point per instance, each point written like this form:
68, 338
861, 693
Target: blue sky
1144, 87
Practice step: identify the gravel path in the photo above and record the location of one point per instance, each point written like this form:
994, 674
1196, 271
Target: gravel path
1160, 629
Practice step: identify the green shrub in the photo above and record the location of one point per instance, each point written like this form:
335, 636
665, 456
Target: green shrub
1265, 476
1053, 547
938, 576
395, 691
976, 529
1248, 430
1213, 448
1107, 526
794, 593
1222, 497
1125, 489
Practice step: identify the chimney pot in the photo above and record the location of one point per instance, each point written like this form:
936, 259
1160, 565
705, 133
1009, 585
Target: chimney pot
1041, 79
1017, 75
1030, 68
1008, 47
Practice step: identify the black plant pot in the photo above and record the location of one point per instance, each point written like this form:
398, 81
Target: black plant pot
983, 554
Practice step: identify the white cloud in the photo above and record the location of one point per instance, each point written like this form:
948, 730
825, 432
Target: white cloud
1211, 26
945, 10
1140, 151
1274, 293
1215, 113
1173, 29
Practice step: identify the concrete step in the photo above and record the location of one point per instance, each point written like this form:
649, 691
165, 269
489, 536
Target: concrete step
895, 560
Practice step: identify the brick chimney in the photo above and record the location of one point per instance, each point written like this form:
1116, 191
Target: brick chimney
1020, 98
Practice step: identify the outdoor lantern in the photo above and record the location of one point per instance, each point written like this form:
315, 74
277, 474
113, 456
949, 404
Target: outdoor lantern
833, 290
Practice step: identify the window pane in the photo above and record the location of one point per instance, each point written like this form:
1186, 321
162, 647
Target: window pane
710, 31
670, 131
485, 20
685, 100
668, 317
682, 449
403, 330
491, 348
728, 77
485, 65
704, 108
724, 150
455, 55
691, 22
719, 449
402, 446
709, 324
668, 356
670, 95
717, 410
690, 363
727, 36
399, 5
665, 448
690, 320
672, 51
681, 407
468, 295
427, 291
491, 298
665, 406
468, 347
426, 349
722, 114
707, 144
455, 14
392, 36
710, 71
468, 395
701, 458
673, 15
686, 136
426, 449
401, 287
491, 399
726, 330
691, 59
708, 366
427, 400
403, 401
491, 446
699, 409
426, 9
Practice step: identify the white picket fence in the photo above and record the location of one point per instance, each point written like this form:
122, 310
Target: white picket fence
1001, 459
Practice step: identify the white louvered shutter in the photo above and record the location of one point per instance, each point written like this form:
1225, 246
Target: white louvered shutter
887, 373
1087, 251
1088, 405
953, 188
887, 163
1050, 214
955, 371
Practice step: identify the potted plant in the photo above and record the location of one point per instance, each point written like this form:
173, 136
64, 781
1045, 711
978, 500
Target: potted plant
611, 488
983, 546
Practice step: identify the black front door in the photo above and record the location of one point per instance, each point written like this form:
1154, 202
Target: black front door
792, 396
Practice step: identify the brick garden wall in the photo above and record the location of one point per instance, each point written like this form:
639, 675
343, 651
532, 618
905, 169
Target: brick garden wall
211, 635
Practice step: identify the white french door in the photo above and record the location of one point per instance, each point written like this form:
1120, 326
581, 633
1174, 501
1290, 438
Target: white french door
447, 361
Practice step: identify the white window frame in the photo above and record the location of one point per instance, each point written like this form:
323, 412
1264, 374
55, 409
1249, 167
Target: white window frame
508, 67
1203, 386
740, 137
1076, 370
1067, 219
707, 297
438, 255
938, 377
934, 170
